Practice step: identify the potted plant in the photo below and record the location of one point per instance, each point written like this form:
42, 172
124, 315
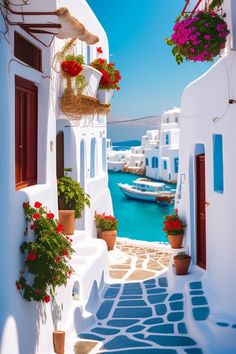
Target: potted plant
182, 262
198, 37
46, 264
59, 342
174, 229
109, 80
107, 228
71, 202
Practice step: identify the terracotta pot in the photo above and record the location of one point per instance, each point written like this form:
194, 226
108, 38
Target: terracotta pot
67, 219
182, 264
59, 342
176, 240
109, 237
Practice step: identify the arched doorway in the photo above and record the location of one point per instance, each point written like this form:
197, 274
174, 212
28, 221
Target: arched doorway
93, 158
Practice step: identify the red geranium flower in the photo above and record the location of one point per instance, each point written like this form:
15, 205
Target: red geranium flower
18, 287
25, 204
46, 298
50, 215
71, 67
32, 256
59, 228
36, 216
37, 205
57, 259
32, 227
64, 253
99, 50
118, 88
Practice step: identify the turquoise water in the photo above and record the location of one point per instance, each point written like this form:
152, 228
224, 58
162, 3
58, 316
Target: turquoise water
138, 220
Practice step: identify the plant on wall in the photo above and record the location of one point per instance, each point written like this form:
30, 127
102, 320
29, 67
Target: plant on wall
46, 257
200, 37
110, 75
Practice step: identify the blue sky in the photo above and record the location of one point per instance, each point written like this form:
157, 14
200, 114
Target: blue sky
151, 79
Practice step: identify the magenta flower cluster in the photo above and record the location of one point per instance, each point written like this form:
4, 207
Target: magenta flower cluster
199, 38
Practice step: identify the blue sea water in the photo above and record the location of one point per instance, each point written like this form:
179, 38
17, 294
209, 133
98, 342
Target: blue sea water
138, 220
125, 145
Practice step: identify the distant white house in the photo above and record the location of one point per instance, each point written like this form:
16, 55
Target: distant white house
206, 187
162, 151
35, 140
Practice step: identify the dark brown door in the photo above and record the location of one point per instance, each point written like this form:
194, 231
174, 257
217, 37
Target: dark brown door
26, 132
60, 154
201, 211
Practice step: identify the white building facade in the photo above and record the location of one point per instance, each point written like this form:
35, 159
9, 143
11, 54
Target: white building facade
162, 158
31, 88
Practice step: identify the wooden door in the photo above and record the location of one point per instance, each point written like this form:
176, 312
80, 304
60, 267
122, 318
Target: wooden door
60, 154
201, 211
26, 132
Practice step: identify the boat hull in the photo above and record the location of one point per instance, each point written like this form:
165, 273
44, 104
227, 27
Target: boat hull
131, 194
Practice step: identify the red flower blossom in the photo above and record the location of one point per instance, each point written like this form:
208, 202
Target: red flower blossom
118, 88
99, 50
59, 228
50, 216
36, 216
32, 227
57, 259
25, 204
32, 256
18, 287
37, 205
64, 253
46, 298
71, 67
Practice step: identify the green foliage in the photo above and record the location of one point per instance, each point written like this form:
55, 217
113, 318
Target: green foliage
105, 222
215, 4
78, 58
46, 258
71, 196
80, 83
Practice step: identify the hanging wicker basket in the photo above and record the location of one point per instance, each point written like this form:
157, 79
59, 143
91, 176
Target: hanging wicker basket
75, 106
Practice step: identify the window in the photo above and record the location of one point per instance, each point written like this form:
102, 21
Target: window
218, 167
26, 132
146, 161
167, 139
93, 158
167, 120
27, 52
165, 164
176, 119
154, 162
176, 163
88, 54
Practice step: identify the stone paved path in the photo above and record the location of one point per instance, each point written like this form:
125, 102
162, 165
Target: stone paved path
139, 318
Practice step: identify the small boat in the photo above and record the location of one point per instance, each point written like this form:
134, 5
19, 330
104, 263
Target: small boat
165, 199
146, 190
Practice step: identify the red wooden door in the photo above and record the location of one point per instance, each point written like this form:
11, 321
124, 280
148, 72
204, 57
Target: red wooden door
60, 154
26, 131
201, 211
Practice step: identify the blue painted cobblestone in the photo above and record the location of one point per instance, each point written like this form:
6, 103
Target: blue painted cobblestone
143, 318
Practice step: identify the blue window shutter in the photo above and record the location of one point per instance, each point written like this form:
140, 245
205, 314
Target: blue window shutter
146, 161
218, 165
165, 165
176, 161
167, 139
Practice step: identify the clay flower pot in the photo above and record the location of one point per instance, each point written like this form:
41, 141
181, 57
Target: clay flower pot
59, 342
182, 264
67, 219
109, 237
176, 240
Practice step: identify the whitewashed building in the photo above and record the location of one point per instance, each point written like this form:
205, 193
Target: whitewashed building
32, 125
206, 189
162, 154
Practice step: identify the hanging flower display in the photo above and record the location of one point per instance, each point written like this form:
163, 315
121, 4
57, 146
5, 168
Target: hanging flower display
200, 37
71, 67
110, 75
46, 257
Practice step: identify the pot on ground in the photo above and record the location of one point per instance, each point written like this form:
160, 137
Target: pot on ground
176, 240
109, 237
67, 219
182, 264
59, 342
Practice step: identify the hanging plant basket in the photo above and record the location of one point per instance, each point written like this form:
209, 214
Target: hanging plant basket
200, 37
75, 106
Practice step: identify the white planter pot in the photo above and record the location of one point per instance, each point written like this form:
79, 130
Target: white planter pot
105, 96
93, 77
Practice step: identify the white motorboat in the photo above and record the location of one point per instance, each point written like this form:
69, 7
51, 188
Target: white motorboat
144, 189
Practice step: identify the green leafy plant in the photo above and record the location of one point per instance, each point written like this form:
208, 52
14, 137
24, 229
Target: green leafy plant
173, 225
110, 75
71, 196
105, 222
215, 4
46, 258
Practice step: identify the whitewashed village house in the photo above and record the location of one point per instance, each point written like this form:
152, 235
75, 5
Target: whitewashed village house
206, 188
162, 158
30, 122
